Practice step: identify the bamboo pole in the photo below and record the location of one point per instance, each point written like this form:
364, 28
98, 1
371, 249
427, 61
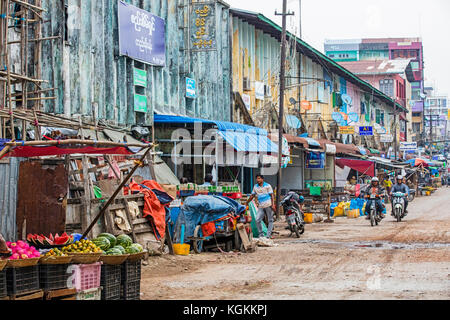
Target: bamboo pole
20, 77
29, 5
8, 66
116, 192
36, 40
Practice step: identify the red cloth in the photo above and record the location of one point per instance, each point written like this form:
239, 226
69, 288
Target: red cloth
154, 211
364, 167
32, 151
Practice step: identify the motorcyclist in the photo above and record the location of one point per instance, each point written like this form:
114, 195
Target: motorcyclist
400, 187
374, 189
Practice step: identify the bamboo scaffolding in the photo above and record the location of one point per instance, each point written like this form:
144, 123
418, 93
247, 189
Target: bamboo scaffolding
77, 142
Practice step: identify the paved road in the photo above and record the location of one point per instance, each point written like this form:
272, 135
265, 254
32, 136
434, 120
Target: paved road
347, 259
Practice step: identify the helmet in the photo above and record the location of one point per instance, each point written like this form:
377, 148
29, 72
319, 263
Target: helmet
375, 179
399, 178
301, 199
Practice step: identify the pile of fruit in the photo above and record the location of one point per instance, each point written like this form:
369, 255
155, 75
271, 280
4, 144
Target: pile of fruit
121, 244
55, 253
81, 246
22, 250
43, 241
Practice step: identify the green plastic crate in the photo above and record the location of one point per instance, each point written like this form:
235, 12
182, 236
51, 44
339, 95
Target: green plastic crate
315, 191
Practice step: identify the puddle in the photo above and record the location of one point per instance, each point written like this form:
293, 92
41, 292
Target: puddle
372, 244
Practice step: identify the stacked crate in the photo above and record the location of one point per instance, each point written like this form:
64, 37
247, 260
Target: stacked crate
131, 280
110, 281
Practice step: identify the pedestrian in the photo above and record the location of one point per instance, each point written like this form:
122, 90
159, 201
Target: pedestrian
266, 204
208, 180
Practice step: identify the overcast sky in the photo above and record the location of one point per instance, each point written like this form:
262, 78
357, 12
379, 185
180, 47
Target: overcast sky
354, 19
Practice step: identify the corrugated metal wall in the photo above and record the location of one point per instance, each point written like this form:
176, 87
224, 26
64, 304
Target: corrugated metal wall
256, 55
90, 74
9, 173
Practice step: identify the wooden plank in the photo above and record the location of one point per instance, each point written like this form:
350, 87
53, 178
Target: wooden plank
59, 293
244, 236
130, 221
32, 295
139, 221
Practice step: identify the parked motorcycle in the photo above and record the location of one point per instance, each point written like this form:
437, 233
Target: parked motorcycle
398, 203
294, 216
412, 195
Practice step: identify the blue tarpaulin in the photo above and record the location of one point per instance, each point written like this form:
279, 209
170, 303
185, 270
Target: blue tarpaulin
242, 137
202, 209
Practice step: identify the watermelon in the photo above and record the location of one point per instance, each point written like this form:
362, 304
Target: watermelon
138, 246
114, 251
110, 237
132, 249
119, 247
102, 242
124, 240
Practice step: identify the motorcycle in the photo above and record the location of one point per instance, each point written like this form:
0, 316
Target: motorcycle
294, 216
398, 204
412, 195
374, 216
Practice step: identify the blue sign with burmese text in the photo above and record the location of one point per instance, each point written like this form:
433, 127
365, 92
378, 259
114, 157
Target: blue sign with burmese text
141, 35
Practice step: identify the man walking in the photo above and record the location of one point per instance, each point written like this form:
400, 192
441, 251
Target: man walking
266, 204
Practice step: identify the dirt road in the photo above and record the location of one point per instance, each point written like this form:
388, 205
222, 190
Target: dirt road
347, 259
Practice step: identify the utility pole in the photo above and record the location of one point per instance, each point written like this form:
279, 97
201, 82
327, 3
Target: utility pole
300, 18
281, 111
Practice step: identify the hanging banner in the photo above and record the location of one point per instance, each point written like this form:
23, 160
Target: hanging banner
386, 138
190, 88
259, 90
140, 103
315, 160
347, 130
306, 105
140, 77
203, 27
408, 146
247, 101
141, 35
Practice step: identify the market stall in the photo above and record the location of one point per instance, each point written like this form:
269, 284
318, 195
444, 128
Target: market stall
40, 265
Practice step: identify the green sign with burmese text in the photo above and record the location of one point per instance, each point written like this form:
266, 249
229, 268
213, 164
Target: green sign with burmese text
140, 77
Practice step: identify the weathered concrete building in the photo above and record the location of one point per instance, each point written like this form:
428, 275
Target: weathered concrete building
90, 73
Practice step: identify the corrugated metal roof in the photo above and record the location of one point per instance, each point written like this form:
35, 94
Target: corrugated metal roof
365, 67
9, 174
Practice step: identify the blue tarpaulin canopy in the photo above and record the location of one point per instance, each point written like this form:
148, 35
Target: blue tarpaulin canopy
242, 137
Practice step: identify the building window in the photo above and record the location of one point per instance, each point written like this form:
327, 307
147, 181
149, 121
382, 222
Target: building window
416, 127
416, 114
387, 87
415, 65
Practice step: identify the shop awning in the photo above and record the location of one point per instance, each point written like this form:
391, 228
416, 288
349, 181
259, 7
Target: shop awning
242, 137
40, 151
363, 167
312, 142
246, 142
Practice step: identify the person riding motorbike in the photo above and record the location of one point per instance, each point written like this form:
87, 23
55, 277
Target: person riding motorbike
374, 189
400, 187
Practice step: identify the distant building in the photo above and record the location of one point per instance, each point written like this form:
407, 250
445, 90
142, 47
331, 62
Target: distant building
436, 115
389, 49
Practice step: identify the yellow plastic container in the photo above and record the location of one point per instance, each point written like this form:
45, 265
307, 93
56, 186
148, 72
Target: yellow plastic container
181, 249
352, 214
338, 212
308, 218
428, 193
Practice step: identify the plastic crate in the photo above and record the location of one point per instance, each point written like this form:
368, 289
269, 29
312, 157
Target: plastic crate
21, 280
3, 287
53, 276
86, 276
131, 290
110, 281
89, 294
131, 271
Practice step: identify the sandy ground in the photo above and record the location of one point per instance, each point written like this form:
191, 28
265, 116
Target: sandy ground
347, 259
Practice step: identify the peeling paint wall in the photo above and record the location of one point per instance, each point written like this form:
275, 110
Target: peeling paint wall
256, 56
90, 74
